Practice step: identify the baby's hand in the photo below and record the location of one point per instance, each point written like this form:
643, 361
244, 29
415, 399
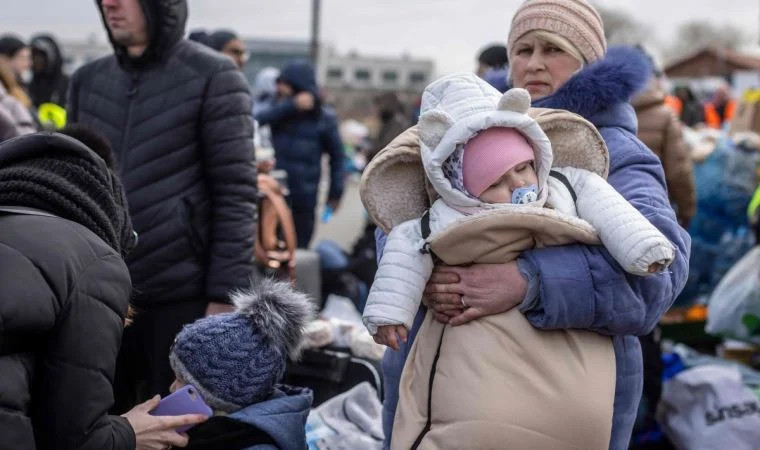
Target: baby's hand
389, 335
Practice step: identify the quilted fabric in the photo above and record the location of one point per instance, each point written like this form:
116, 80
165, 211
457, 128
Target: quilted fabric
69, 289
179, 121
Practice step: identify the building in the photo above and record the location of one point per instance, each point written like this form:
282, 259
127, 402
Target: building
272, 53
352, 81
375, 73
712, 62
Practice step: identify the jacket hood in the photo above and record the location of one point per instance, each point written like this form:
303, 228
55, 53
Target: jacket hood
602, 85
282, 416
47, 45
458, 106
166, 25
301, 76
47, 158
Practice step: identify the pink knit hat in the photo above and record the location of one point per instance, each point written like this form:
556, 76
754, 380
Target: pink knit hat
491, 154
575, 20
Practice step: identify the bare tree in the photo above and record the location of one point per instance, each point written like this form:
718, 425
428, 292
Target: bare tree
620, 28
696, 35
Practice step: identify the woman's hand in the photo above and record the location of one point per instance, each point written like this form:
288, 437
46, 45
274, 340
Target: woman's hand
158, 432
461, 294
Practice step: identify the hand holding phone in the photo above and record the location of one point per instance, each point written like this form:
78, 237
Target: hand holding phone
185, 400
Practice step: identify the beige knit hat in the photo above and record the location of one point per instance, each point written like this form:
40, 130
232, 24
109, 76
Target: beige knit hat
575, 20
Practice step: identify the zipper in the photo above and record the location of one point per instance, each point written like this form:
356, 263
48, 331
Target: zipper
131, 94
428, 424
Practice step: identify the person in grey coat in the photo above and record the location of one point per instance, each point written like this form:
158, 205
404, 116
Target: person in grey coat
178, 116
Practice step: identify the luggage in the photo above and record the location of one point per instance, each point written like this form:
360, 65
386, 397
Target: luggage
332, 371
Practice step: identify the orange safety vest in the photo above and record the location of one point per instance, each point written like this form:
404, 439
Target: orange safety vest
713, 120
674, 103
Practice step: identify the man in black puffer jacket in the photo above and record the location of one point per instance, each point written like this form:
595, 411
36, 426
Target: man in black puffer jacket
178, 116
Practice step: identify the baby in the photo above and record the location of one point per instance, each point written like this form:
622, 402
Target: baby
504, 166
497, 167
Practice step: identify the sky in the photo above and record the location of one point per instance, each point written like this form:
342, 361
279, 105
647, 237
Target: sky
451, 32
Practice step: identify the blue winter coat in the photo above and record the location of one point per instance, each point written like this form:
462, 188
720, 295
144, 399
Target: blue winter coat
277, 423
300, 138
580, 286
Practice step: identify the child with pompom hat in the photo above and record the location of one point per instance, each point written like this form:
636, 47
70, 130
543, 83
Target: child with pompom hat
235, 361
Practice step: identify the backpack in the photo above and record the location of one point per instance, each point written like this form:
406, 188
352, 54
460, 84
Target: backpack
276, 234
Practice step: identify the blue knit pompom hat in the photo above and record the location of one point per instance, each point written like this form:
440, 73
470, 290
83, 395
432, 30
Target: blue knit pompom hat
235, 359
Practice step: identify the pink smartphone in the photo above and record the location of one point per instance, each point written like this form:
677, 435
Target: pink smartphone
185, 400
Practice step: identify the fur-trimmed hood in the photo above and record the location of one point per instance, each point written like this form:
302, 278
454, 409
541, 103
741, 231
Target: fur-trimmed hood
599, 90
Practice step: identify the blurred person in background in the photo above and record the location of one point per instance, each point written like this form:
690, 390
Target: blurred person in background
15, 118
393, 121
690, 111
49, 83
264, 92
660, 130
493, 65
178, 117
17, 55
720, 109
228, 43
302, 130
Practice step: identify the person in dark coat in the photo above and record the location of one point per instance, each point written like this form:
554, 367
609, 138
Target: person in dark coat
302, 130
64, 298
691, 110
49, 83
178, 116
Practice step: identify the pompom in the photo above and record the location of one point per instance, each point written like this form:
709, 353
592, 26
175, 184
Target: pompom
277, 311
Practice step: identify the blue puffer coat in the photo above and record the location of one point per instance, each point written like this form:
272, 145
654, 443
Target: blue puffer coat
301, 137
579, 286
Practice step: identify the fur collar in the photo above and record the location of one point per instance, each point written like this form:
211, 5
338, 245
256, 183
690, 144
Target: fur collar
616, 78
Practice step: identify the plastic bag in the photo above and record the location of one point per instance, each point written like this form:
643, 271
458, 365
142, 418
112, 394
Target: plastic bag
708, 407
719, 231
734, 306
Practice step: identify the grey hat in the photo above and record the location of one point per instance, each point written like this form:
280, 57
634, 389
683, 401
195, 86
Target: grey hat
235, 359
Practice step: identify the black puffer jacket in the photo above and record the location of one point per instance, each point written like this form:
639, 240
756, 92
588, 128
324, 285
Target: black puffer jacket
179, 120
64, 294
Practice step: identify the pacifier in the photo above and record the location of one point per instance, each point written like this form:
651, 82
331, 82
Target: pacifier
525, 195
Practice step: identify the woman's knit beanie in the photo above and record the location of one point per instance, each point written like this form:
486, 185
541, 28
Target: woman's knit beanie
61, 175
575, 20
235, 359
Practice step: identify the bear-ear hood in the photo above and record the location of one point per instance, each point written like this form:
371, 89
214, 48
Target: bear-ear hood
395, 187
457, 107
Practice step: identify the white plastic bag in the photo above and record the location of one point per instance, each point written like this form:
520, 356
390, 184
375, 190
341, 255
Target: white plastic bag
734, 306
708, 407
